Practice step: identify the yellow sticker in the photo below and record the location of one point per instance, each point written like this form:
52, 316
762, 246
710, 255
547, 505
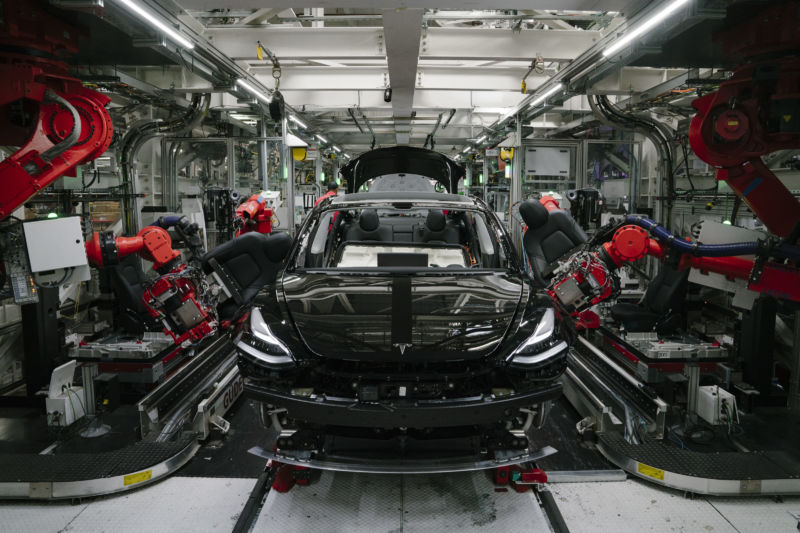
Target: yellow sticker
650, 471
133, 479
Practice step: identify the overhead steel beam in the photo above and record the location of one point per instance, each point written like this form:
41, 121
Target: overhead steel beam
265, 13
290, 43
429, 78
567, 5
423, 98
403, 29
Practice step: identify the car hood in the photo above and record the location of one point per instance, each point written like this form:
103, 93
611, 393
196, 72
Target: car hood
402, 317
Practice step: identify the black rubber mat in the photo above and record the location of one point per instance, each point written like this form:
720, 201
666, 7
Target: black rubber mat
560, 433
84, 466
227, 455
715, 465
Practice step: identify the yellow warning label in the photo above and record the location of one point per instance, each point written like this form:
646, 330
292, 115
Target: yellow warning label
651, 471
133, 479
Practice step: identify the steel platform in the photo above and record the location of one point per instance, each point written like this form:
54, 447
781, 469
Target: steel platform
172, 419
716, 473
82, 475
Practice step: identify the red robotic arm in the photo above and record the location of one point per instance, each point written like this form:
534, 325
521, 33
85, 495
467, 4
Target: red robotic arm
254, 215
58, 123
175, 298
587, 278
152, 243
754, 113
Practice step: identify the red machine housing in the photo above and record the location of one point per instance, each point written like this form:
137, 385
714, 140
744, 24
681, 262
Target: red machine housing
35, 100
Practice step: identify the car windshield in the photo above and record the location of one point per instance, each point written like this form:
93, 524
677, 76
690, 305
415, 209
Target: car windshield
408, 235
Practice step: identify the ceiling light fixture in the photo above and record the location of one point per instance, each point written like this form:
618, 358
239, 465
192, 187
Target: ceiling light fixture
467, 149
252, 90
336, 148
641, 29
321, 138
156, 23
480, 139
298, 122
553, 90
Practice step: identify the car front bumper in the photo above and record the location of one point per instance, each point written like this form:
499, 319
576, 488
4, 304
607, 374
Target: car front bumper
349, 412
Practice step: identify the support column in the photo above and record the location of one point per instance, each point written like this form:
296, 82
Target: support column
263, 157
41, 338
794, 387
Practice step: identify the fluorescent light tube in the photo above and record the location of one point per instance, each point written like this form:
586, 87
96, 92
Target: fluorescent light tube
321, 138
252, 90
337, 149
467, 149
156, 23
298, 122
644, 27
553, 90
480, 139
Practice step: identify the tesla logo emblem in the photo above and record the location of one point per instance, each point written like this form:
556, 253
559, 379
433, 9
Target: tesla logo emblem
402, 347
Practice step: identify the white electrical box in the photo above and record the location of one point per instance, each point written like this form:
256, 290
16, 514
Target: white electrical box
716, 406
64, 403
56, 250
66, 408
547, 161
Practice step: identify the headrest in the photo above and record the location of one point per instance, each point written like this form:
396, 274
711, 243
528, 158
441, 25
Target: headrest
436, 220
368, 221
533, 213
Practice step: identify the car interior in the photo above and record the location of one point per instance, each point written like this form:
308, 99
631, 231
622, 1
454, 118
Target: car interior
454, 239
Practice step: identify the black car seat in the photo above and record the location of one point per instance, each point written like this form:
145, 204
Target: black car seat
438, 229
245, 265
661, 306
369, 228
550, 235
127, 282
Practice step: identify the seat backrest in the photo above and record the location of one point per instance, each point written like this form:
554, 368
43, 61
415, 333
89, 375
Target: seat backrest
368, 228
127, 282
550, 235
438, 229
667, 290
252, 261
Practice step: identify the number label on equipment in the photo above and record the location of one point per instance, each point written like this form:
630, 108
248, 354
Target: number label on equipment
138, 477
649, 471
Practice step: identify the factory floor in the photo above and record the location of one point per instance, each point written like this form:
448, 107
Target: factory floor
208, 494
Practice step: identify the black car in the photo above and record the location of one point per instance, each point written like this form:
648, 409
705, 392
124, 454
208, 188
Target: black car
402, 319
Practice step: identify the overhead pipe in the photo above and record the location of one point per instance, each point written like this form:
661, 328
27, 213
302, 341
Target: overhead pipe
608, 115
786, 251
135, 138
429, 137
369, 126
449, 118
353, 116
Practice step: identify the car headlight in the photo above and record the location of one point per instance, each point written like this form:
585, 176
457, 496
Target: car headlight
541, 345
264, 345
